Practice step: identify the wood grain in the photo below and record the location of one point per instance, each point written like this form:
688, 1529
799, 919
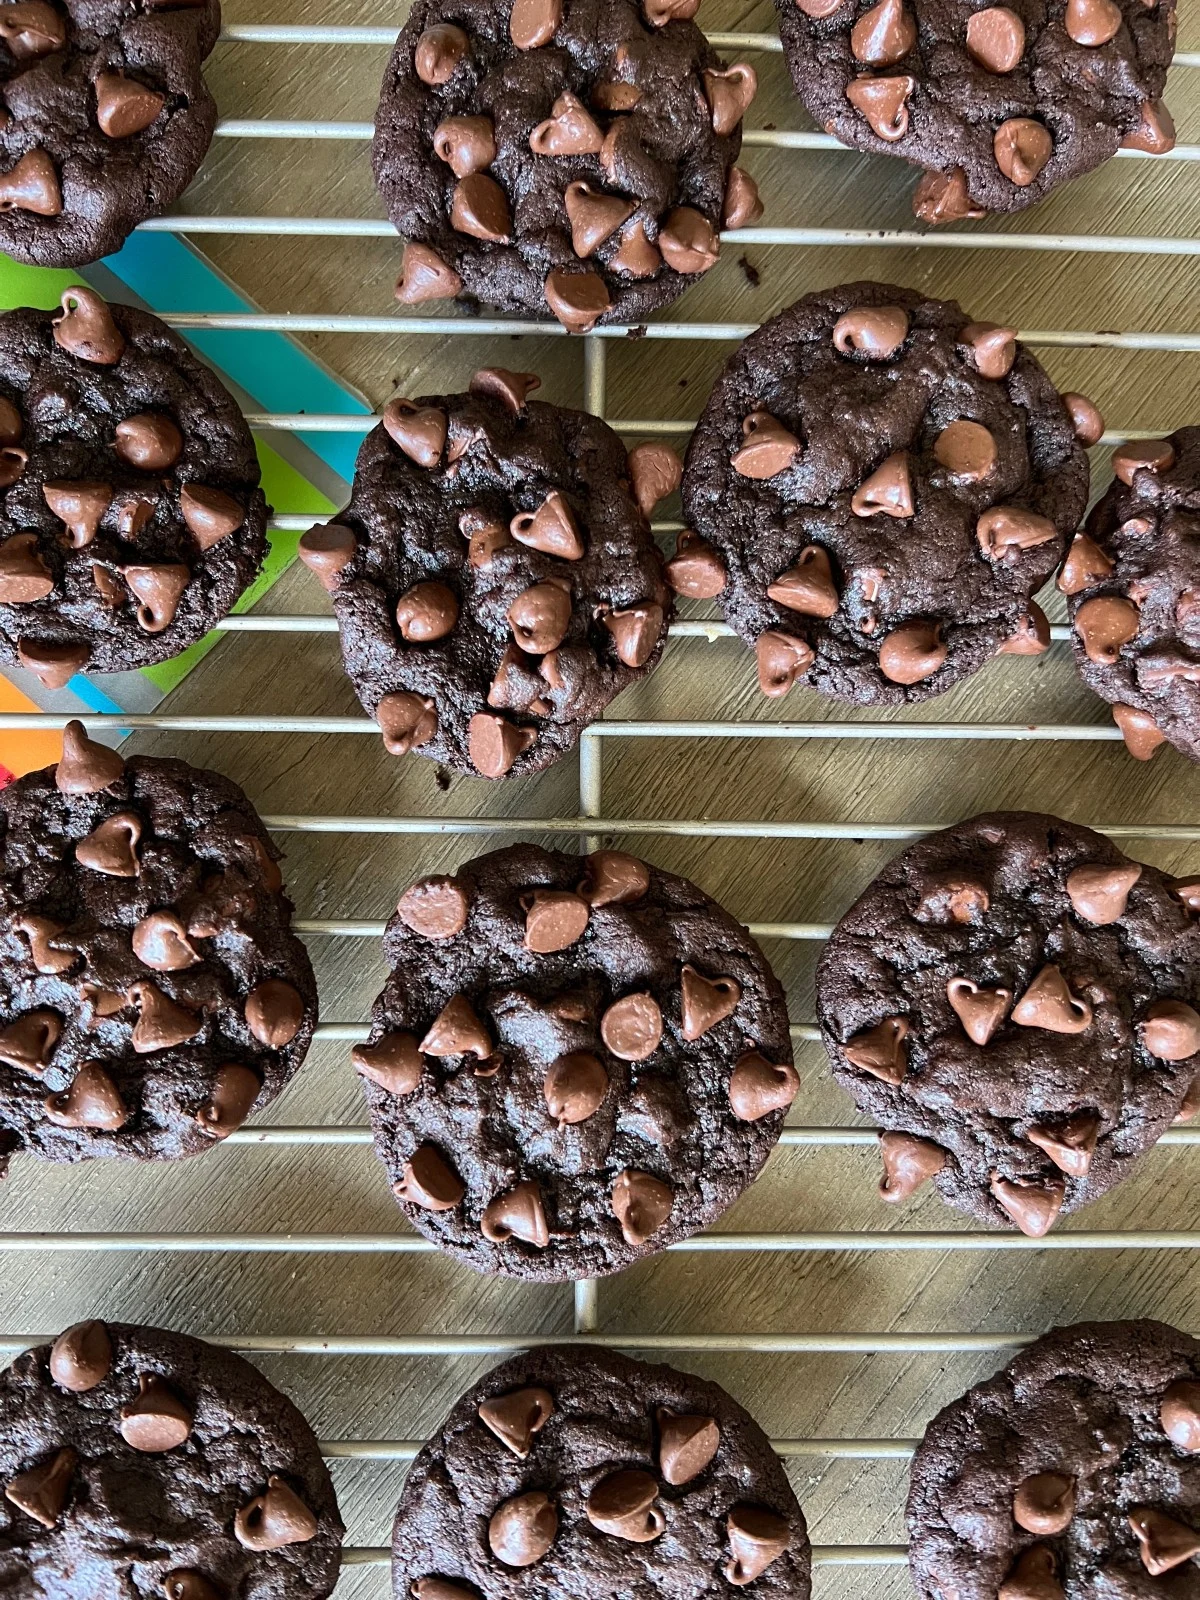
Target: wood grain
330, 1189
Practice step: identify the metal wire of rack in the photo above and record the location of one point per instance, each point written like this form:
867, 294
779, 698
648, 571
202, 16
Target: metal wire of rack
590, 822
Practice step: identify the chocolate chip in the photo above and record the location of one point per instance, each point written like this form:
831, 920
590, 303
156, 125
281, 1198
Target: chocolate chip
517, 1416
888, 490
908, 1162
636, 631
1100, 894
1165, 1542
655, 471
780, 659
429, 1181
1045, 1503
42, 1491
883, 102
687, 1444
434, 907
758, 1087
688, 241
394, 1062
540, 617
570, 130
551, 528
577, 299
406, 721
1022, 148
420, 431
53, 664
124, 106
494, 743
575, 1086
695, 570
32, 28
1092, 22
274, 1013
235, 1088
1048, 1003
438, 52
425, 276
274, 1519
160, 942
210, 514
85, 327
185, 1585
884, 35
705, 1001
880, 1050
742, 207
1170, 1030
151, 442
158, 590
516, 1214
479, 208
1180, 1415
729, 91
32, 185
622, 1504
980, 1010
1070, 1144
1032, 1204
913, 652
757, 1537
456, 1031
162, 1022
641, 1204
81, 1357
555, 919
875, 332
157, 1420
28, 1041
24, 575
632, 1027
522, 1529
614, 878
993, 348
808, 586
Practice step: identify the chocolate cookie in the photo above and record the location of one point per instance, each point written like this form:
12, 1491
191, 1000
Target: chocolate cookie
569, 1472
1014, 1001
152, 993
575, 1062
876, 489
999, 104
132, 514
139, 1462
1073, 1473
106, 120
1133, 584
563, 157
494, 576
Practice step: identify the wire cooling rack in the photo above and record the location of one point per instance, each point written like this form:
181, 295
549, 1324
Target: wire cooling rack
589, 823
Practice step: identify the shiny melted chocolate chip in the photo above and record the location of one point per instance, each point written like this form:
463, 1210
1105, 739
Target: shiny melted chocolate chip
623, 1505
641, 1204
517, 1416
81, 1357
157, 1420
274, 1519
908, 1162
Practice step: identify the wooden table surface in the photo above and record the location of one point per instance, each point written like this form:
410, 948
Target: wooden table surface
339, 1189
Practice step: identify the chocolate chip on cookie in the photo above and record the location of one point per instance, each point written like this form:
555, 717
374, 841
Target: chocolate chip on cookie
1018, 1005
494, 576
876, 489
1132, 579
1074, 1471
151, 990
998, 105
106, 120
564, 1463
587, 1062
118, 1438
571, 158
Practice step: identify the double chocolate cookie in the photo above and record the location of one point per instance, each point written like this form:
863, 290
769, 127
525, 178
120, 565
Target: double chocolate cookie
876, 489
132, 516
494, 576
106, 119
1133, 584
579, 1473
999, 104
1073, 1473
151, 990
1015, 1002
577, 1061
139, 1462
563, 157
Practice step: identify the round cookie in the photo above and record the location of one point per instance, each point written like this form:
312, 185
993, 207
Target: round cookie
136, 1461
1133, 586
576, 1061
133, 519
494, 576
152, 993
1073, 1473
876, 489
571, 158
569, 1474
999, 104
107, 120
1014, 1001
